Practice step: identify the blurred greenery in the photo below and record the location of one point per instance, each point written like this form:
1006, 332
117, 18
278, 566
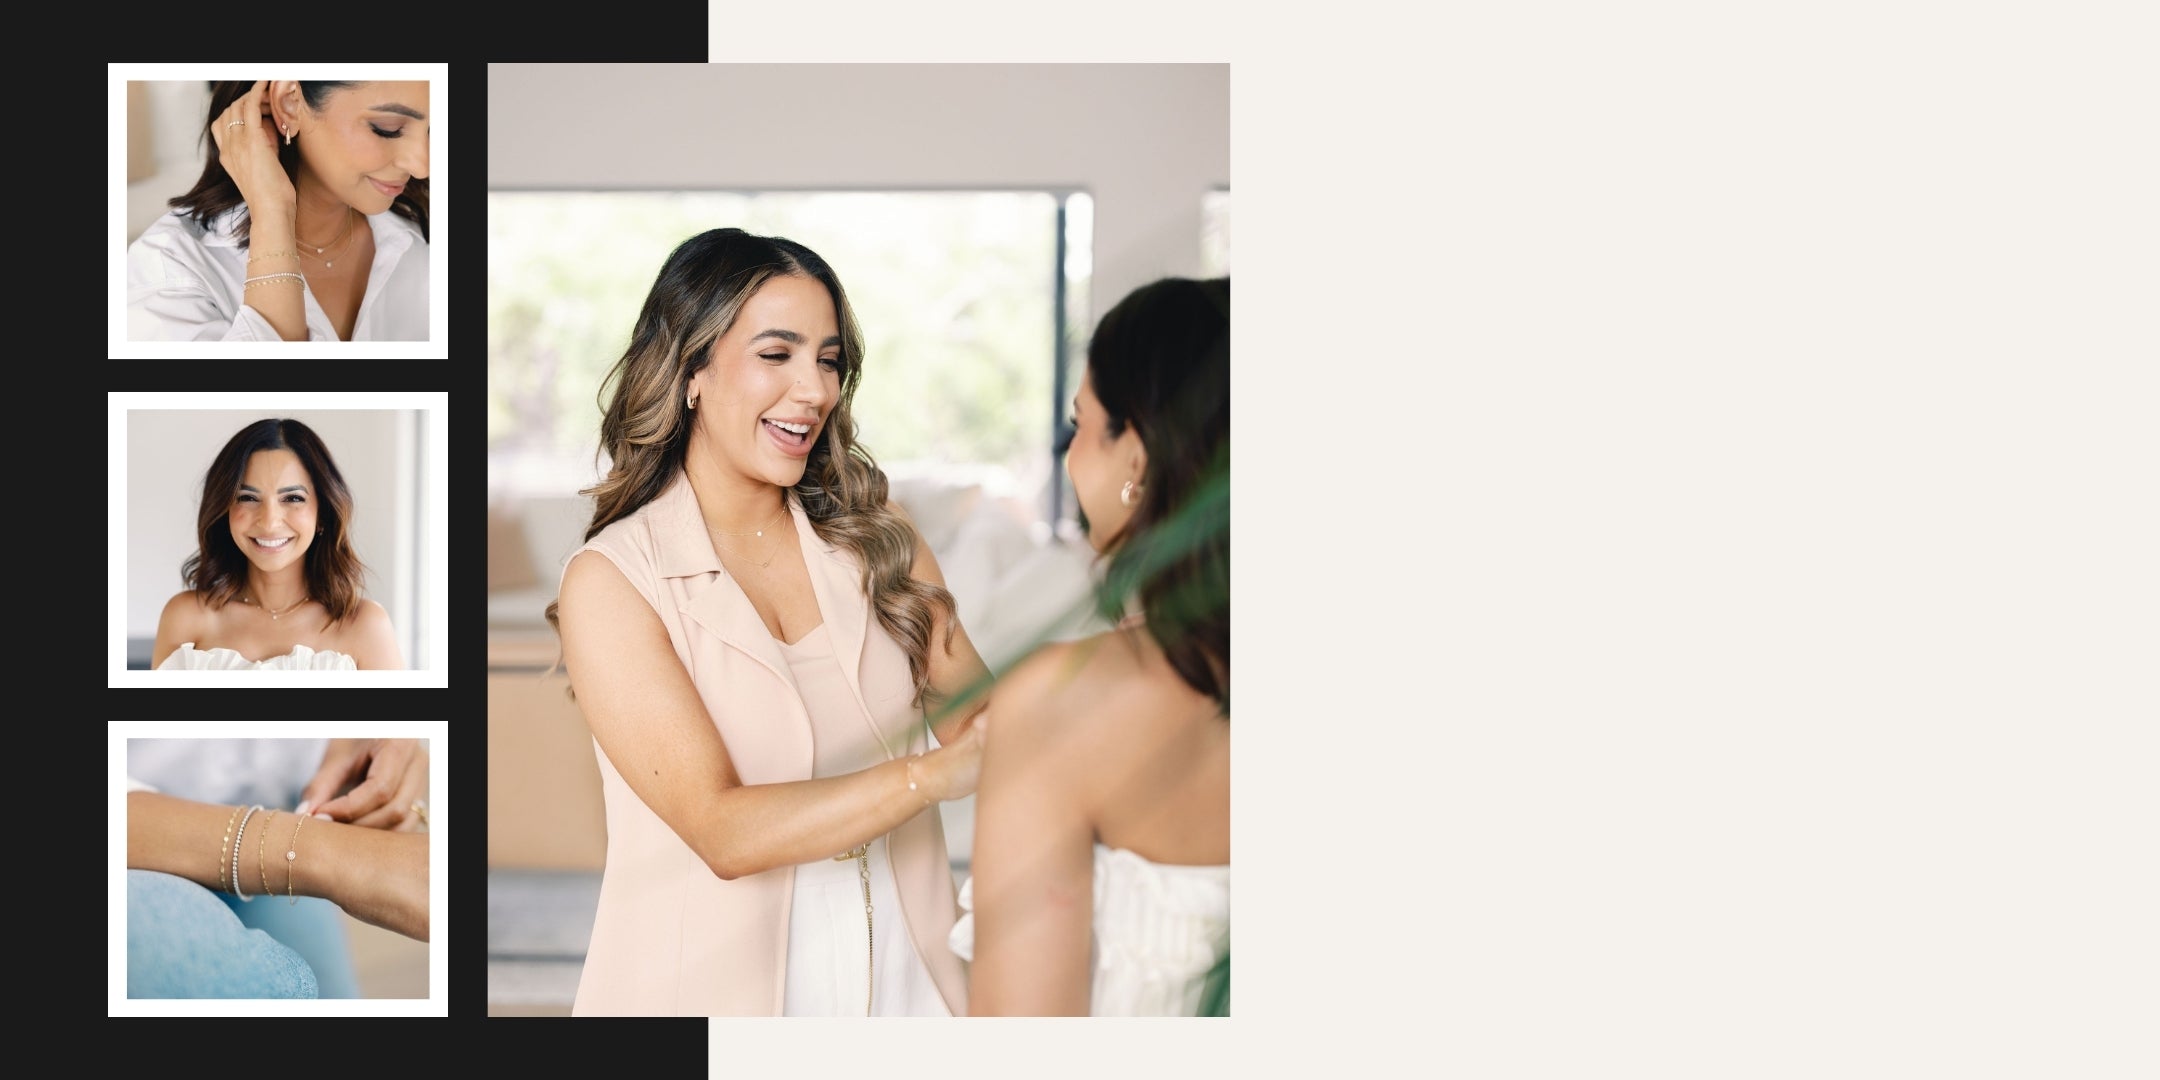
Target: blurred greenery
954, 292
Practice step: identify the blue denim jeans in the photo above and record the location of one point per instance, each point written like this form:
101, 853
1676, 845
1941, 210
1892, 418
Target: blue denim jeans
185, 941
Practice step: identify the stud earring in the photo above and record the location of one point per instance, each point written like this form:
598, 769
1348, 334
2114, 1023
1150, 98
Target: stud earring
1130, 493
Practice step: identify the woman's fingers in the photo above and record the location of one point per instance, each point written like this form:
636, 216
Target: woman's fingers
396, 776
340, 766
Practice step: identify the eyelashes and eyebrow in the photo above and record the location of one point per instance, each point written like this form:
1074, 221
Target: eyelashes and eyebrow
792, 338
301, 490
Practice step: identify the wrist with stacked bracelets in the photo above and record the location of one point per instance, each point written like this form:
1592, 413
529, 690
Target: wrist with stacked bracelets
240, 847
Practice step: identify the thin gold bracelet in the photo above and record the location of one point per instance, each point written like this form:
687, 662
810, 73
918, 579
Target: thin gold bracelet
260, 872
274, 255
292, 853
225, 851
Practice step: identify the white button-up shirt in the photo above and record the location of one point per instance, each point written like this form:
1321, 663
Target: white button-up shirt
184, 283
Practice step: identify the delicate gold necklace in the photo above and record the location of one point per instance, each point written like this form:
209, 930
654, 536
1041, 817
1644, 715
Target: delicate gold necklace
771, 551
319, 250
274, 614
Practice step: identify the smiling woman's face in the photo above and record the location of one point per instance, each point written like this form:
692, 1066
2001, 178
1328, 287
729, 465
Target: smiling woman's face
273, 511
367, 141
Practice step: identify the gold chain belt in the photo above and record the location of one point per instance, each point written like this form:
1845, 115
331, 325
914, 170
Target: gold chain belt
861, 855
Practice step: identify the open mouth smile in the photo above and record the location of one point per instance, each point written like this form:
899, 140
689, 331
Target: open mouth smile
791, 436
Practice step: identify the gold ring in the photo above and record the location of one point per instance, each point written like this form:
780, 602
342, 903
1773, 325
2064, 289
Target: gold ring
237, 123
419, 809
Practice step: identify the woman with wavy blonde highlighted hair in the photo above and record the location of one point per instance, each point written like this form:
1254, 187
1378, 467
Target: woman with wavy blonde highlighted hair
761, 645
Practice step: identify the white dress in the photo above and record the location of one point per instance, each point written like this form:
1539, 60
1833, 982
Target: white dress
1159, 930
189, 658
834, 968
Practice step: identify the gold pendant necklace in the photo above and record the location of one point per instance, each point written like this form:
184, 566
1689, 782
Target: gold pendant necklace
274, 614
317, 254
771, 551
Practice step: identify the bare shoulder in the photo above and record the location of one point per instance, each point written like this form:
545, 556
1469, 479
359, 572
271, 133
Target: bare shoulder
185, 618
370, 639
185, 612
1065, 684
593, 584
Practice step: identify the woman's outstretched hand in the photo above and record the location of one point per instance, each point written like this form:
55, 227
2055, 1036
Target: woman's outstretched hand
247, 143
388, 778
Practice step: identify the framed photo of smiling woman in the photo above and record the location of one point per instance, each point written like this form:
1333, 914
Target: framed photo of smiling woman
290, 539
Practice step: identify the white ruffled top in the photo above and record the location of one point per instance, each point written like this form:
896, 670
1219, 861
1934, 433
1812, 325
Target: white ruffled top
1159, 930
189, 658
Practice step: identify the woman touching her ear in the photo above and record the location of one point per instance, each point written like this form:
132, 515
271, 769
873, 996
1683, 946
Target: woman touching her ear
309, 223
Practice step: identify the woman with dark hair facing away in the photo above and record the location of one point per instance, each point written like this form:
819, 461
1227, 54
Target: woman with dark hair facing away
1101, 864
761, 644
310, 221
274, 583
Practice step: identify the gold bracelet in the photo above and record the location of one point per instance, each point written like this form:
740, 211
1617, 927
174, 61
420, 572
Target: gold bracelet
275, 255
225, 850
254, 281
259, 871
292, 853
926, 800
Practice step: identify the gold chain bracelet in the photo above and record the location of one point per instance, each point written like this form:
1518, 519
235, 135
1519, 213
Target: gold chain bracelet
259, 842
225, 851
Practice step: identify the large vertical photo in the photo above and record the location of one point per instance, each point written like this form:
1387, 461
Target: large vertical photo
810, 470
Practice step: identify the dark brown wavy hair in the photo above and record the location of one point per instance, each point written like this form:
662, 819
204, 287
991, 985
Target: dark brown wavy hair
218, 568
1160, 363
214, 193
645, 425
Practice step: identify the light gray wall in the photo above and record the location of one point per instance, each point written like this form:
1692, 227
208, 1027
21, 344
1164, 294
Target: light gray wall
169, 450
177, 108
1147, 141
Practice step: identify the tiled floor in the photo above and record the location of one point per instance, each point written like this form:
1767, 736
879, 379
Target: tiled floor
538, 925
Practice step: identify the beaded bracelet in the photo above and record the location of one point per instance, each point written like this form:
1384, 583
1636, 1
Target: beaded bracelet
274, 255
254, 281
292, 853
239, 846
225, 849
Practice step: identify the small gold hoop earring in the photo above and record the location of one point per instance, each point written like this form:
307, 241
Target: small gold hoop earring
1130, 493
693, 403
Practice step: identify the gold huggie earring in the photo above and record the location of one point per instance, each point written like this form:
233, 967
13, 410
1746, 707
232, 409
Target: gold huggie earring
1130, 493
288, 135
693, 403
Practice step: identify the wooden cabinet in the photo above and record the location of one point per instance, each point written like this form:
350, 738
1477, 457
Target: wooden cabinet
544, 807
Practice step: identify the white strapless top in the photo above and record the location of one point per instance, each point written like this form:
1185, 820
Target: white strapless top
189, 658
1159, 930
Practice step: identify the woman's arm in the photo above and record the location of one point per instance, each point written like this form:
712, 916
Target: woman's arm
380, 878
959, 680
1033, 859
646, 715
